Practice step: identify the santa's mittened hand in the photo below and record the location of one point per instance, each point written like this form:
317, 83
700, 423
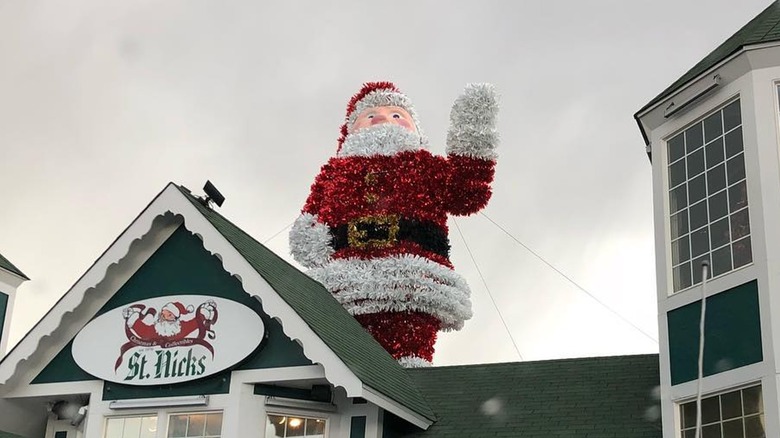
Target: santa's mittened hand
472, 129
128, 311
310, 241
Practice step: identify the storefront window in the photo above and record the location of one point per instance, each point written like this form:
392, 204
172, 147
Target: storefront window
280, 426
197, 425
131, 427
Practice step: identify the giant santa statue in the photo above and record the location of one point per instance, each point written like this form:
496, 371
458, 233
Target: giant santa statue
373, 230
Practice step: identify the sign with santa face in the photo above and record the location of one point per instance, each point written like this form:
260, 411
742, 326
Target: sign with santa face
170, 339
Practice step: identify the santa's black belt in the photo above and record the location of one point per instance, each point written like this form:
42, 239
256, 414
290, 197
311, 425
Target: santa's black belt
385, 231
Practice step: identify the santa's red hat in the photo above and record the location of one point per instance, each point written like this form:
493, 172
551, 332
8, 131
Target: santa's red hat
372, 95
177, 308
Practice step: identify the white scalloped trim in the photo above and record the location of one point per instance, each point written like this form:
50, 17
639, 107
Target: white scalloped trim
414, 362
396, 284
310, 241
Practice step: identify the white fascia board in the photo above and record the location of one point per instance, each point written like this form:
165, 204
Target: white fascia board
10, 278
172, 201
400, 410
54, 389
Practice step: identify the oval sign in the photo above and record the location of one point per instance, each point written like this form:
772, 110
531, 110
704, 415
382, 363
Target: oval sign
169, 339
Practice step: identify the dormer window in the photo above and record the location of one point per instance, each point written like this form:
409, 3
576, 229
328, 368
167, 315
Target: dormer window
708, 212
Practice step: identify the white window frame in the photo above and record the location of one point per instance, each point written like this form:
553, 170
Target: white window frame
668, 238
163, 418
762, 410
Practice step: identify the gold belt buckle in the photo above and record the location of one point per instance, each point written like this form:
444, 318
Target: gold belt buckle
379, 231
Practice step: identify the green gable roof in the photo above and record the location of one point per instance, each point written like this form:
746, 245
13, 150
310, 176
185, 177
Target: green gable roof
8, 266
600, 397
326, 317
764, 28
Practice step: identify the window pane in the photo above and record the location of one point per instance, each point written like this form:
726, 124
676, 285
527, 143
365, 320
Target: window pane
132, 427
752, 400
718, 206
689, 433
731, 116
711, 431
735, 168
676, 148
114, 427
734, 143
679, 224
714, 152
697, 189
177, 426
743, 252
677, 173
315, 428
689, 415
700, 242
719, 233
678, 198
710, 410
754, 427
713, 127
197, 425
737, 196
698, 215
731, 404
696, 268
214, 424
295, 426
681, 250
681, 276
716, 179
275, 426
733, 429
740, 224
695, 163
149, 427
693, 138
721, 260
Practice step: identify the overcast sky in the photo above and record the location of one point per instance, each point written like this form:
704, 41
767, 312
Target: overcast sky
102, 103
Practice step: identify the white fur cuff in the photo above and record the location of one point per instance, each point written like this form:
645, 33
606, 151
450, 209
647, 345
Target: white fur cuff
310, 241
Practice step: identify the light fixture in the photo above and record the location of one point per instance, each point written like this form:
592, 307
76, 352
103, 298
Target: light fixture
295, 422
163, 402
705, 88
212, 195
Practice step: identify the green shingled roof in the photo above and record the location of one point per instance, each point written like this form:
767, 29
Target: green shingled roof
326, 317
764, 28
8, 266
606, 397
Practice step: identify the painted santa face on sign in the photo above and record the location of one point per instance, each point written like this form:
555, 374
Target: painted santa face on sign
384, 114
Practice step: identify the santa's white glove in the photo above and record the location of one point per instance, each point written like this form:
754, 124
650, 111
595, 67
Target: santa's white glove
472, 129
310, 241
131, 315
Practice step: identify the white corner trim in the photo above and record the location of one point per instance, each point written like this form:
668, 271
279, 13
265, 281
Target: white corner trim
396, 408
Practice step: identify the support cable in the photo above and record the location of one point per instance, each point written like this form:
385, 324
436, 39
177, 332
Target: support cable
484, 283
278, 233
582, 289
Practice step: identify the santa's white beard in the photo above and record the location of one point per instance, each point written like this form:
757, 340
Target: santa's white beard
167, 328
385, 139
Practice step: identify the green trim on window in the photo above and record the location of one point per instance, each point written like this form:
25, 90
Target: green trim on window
732, 334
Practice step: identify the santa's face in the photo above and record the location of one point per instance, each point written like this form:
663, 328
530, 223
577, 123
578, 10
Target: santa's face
384, 114
167, 315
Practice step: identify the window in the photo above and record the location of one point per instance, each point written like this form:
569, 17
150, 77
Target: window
280, 426
131, 427
736, 414
708, 208
198, 425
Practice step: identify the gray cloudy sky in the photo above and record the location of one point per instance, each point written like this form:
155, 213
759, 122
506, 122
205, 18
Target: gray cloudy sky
103, 102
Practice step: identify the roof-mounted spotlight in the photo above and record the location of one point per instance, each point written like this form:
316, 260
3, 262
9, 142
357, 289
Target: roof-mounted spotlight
212, 195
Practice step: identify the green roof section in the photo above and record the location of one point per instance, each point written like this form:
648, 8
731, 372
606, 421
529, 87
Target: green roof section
764, 28
326, 317
8, 266
605, 397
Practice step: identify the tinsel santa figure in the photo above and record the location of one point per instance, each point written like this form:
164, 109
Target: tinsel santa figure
373, 230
